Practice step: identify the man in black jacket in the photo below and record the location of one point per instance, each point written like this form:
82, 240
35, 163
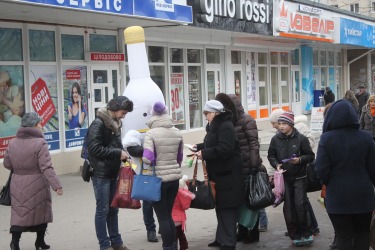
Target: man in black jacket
291, 151
106, 152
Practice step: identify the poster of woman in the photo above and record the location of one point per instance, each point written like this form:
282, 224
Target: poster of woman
76, 111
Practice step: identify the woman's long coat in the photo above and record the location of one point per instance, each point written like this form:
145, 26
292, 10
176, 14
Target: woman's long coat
222, 154
28, 156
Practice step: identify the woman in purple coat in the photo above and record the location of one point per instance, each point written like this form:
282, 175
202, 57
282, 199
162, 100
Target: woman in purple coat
28, 157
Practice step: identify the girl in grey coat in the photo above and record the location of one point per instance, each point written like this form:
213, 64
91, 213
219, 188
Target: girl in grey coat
28, 157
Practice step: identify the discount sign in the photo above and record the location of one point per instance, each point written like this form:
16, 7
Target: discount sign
41, 100
177, 100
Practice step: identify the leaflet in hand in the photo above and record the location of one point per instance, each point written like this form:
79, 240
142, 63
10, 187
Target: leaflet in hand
190, 147
288, 159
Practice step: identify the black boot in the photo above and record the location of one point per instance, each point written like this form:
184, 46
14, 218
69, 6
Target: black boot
333, 245
242, 233
15, 243
180, 235
39, 243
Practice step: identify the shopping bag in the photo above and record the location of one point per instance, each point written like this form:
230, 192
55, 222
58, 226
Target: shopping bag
259, 193
146, 187
204, 190
5, 199
278, 190
313, 183
247, 217
122, 198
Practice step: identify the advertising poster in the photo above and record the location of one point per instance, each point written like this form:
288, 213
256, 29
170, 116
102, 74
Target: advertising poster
177, 98
44, 101
75, 105
12, 103
250, 80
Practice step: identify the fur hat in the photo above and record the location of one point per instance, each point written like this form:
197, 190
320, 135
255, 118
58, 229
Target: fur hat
182, 181
159, 108
120, 103
287, 117
30, 119
275, 114
214, 106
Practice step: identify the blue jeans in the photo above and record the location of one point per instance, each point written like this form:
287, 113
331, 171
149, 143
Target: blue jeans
106, 216
263, 220
148, 216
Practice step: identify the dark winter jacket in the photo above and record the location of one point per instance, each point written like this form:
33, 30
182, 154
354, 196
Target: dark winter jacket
104, 145
221, 151
362, 99
329, 97
345, 162
283, 147
367, 121
247, 135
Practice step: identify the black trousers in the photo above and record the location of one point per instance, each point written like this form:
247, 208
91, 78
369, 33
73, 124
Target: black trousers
352, 230
296, 213
163, 210
226, 231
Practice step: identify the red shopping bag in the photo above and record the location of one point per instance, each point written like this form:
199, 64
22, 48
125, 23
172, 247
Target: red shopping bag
122, 198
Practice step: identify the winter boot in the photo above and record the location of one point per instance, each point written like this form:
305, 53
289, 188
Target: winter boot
180, 235
242, 233
39, 243
15, 243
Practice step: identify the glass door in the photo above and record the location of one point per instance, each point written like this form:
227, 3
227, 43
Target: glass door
213, 83
296, 90
104, 86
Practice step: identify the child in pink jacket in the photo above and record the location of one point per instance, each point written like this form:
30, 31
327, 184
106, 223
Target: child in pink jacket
181, 203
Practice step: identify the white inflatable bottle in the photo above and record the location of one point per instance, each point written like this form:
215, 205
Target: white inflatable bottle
142, 90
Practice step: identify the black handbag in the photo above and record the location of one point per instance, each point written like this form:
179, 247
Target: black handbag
87, 171
259, 192
313, 183
204, 190
5, 193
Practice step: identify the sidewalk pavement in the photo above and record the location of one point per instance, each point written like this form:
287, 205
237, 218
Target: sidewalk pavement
73, 227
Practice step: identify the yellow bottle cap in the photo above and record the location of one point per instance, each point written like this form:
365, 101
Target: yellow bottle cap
134, 34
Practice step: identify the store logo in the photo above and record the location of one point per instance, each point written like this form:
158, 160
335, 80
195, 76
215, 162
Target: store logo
352, 32
164, 5
247, 10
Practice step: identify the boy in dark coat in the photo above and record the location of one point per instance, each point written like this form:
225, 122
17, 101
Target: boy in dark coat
291, 151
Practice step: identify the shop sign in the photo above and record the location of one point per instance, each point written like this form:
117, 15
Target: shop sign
248, 10
113, 57
317, 119
357, 33
73, 74
41, 100
177, 98
303, 22
172, 10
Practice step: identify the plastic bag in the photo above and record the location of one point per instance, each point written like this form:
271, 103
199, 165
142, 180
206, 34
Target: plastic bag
247, 217
259, 192
122, 198
279, 189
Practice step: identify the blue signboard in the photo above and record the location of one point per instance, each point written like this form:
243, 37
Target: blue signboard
52, 139
356, 33
156, 9
74, 137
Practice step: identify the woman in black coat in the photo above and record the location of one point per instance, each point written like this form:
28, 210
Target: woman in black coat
348, 171
222, 154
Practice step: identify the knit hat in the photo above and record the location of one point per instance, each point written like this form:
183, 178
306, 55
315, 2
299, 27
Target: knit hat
275, 115
30, 119
214, 106
159, 108
361, 86
287, 117
120, 103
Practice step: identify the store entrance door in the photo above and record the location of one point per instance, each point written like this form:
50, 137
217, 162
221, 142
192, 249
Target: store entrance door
104, 86
296, 90
213, 82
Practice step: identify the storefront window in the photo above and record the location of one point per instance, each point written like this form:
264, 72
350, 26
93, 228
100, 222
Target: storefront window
237, 83
213, 56
157, 74
263, 88
236, 57
42, 45
262, 58
338, 58
323, 59
177, 55
295, 57
195, 97
284, 58
155, 54
331, 58
177, 96
323, 77
72, 47
194, 55
284, 84
103, 43
275, 85
274, 59
10, 44
315, 58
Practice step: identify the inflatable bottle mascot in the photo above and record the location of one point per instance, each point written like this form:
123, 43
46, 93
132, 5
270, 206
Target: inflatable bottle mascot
142, 90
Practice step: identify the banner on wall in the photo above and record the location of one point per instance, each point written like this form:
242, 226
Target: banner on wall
12, 103
75, 105
45, 101
250, 81
177, 98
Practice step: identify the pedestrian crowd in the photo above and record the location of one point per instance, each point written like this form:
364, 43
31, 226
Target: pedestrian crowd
344, 164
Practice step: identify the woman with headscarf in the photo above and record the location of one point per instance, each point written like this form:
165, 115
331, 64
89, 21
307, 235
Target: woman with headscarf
222, 154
